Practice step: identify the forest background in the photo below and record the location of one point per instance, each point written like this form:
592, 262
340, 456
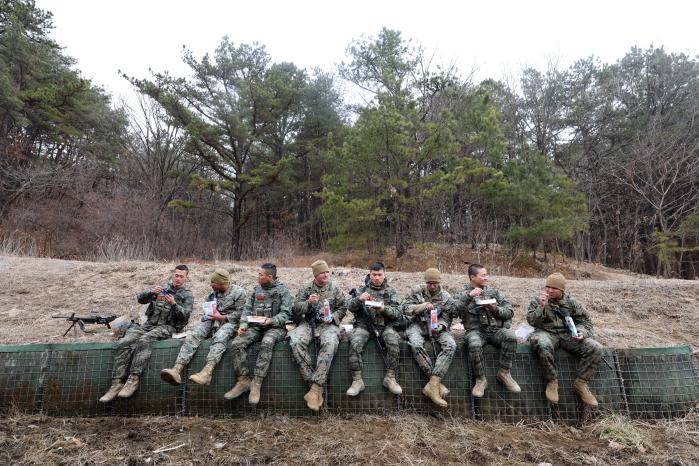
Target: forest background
245, 157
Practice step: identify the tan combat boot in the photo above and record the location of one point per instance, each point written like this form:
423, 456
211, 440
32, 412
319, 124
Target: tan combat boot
552, 391
203, 377
314, 398
130, 387
505, 377
443, 391
113, 391
240, 387
173, 376
389, 381
431, 391
357, 384
583, 391
255, 386
479, 388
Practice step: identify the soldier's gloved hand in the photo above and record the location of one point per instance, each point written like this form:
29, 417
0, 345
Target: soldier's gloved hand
419, 309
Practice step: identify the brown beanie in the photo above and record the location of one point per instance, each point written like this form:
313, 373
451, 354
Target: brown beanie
556, 280
220, 277
433, 275
319, 267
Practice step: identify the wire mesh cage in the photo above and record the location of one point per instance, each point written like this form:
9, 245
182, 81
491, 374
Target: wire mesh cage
68, 379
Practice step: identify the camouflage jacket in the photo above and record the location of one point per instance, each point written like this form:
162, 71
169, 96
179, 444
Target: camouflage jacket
385, 293
420, 295
475, 317
230, 304
338, 304
549, 318
161, 313
272, 300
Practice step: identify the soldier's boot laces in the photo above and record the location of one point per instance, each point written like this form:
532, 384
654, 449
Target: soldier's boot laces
552, 391
357, 384
505, 377
240, 387
315, 397
443, 391
431, 391
389, 381
255, 386
580, 387
113, 391
203, 377
479, 388
130, 387
173, 376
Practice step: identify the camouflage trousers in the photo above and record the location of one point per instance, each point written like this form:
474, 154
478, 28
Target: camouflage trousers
503, 338
134, 349
268, 337
358, 340
589, 352
201, 332
301, 337
417, 332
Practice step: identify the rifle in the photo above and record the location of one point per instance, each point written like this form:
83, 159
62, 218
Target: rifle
81, 321
368, 319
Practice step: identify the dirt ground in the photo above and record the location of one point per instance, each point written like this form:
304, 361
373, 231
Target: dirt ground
627, 310
399, 440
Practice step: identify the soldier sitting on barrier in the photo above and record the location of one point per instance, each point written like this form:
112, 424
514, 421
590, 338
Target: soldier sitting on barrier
376, 307
264, 319
319, 307
429, 307
169, 308
220, 321
487, 317
560, 321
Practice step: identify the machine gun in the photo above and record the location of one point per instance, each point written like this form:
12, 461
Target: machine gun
367, 317
82, 320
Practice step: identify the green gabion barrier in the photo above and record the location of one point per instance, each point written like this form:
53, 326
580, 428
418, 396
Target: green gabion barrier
68, 379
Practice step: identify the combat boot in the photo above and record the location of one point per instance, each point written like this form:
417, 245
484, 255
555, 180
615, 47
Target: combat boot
479, 388
203, 377
314, 397
583, 391
431, 391
255, 386
443, 391
505, 377
130, 387
240, 387
113, 391
552, 391
357, 384
173, 376
389, 381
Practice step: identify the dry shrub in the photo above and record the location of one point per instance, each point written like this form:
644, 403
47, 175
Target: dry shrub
119, 249
617, 428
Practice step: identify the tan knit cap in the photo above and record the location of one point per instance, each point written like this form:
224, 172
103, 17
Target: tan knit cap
319, 267
556, 280
433, 275
221, 277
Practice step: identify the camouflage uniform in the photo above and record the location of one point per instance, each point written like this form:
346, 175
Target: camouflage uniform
551, 332
484, 326
134, 349
272, 300
329, 333
231, 305
382, 322
419, 329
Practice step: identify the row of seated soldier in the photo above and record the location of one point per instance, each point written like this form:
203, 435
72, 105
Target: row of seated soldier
425, 314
